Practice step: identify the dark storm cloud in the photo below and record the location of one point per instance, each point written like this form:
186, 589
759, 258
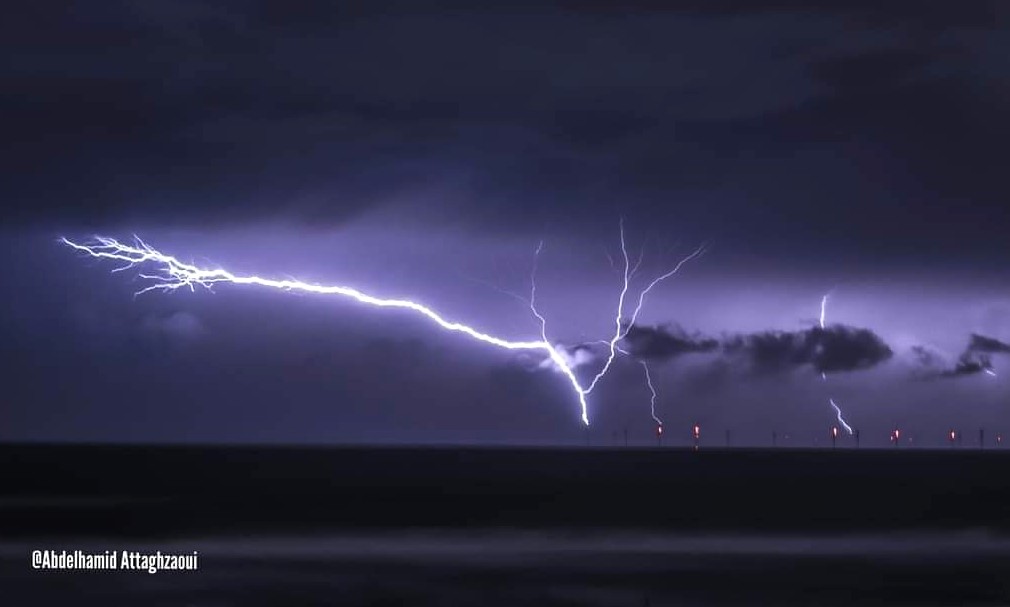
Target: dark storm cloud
919, 14
973, 360
835, 348
664, 342
969, 364
926, 358
188, 113
981, 343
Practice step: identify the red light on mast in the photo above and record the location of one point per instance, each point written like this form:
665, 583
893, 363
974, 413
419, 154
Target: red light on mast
659, 430
697, 431
834, 431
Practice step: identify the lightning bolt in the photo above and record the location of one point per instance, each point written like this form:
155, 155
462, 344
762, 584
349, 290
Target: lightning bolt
656, 281
634, 319
648, 380
824, 306
174, 274
652, 389
824, 377
991, 372
838, 413
621, 328
556, 357
620, 314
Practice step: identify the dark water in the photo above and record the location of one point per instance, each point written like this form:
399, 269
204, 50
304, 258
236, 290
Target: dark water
296, 527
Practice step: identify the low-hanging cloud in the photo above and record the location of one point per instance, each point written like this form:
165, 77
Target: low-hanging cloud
664, 342
828, 350
574, 356
973, 360
969, 364
991, 345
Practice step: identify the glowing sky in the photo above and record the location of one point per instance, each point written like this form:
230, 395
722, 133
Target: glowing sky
425, 152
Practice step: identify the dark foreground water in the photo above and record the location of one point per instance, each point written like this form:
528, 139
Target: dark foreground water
300, 527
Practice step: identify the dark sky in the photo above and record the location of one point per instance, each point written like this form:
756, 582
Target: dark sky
424, 149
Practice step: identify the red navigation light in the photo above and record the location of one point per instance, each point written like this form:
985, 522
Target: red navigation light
659, 430
897, 435
953, 435
697, 430
834, 431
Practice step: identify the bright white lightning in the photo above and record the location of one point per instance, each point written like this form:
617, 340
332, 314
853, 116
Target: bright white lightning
652, 389
620, 313
991, 372
621, 331
634, 318
838, 413
656, 281
648, 380
824, 377
175, 274
555, 355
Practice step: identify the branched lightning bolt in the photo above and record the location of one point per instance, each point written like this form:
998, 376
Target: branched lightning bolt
555, 356
621, 330
174, 274
824, 377
634, 318
620, 313
656, 281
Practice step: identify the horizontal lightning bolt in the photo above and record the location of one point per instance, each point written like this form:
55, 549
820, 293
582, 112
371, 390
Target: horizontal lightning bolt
175, 274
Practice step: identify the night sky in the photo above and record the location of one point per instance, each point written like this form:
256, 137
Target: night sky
424, 149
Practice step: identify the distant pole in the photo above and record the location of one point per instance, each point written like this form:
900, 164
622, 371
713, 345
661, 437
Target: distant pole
999, 439
952, 436
659, 435
697, 435
896, 437
834, 436
775, 438
857, 438
981, 438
